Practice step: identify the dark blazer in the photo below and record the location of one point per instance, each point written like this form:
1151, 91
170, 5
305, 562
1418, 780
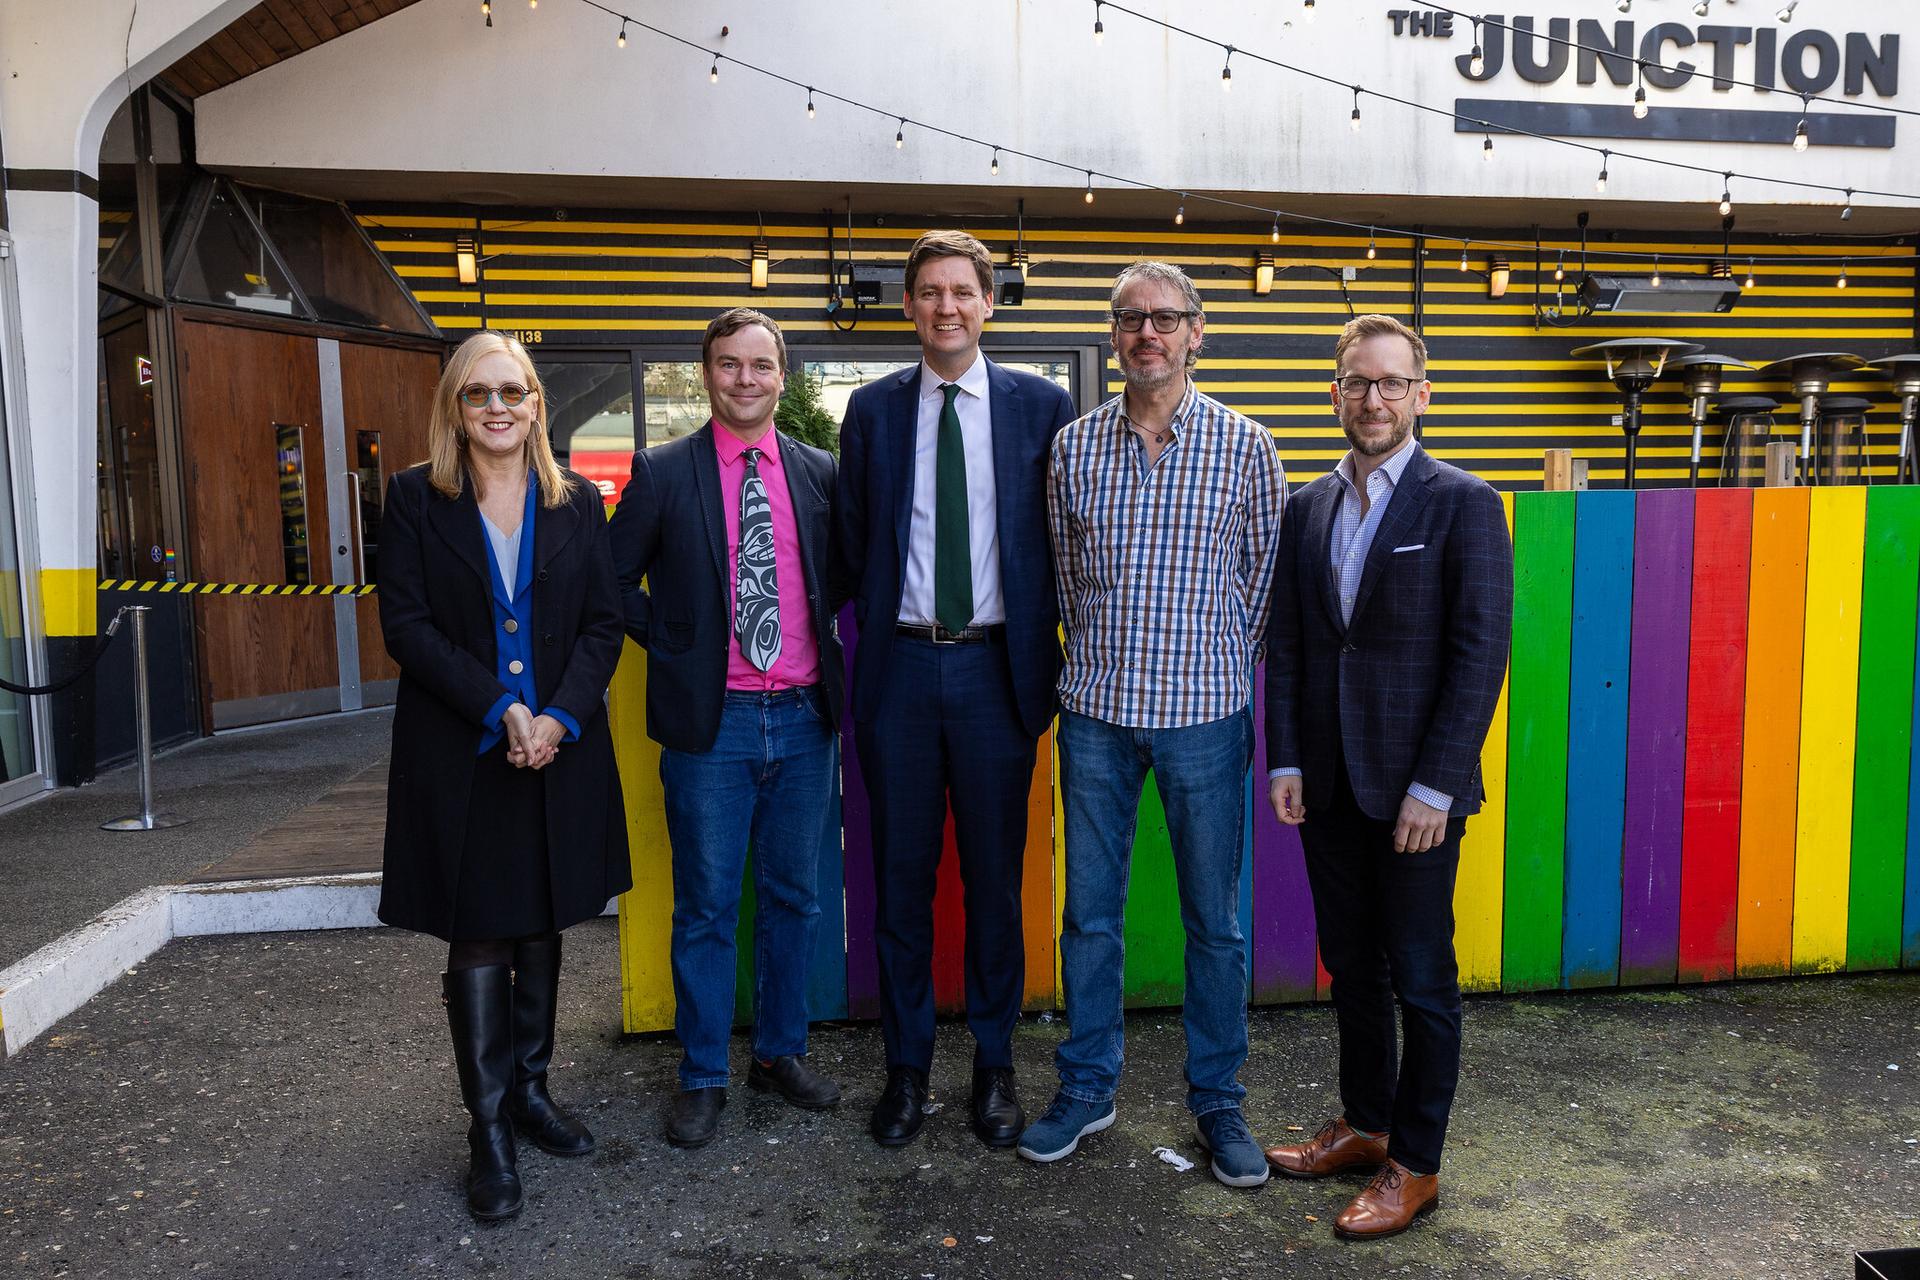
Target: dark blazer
1408, 690
876, 509
670, 530
437, 616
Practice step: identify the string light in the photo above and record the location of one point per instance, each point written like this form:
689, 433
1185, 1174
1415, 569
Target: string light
621, 43
900, 135
1700, 10
995, 168
1841, 283
1180, 214
1846, 214
1372, 251
1560, 267
809, 102
1726, 193
533, 4
1800, 130
713, 72
1486, 148
1226, 72
1089, 196
1463, 254
1356, 108
1276, 228
1749, 283
1477, 60
1099, 27
1623, 5
1655, 282
1786, 11
486, 8
1600, 183
1306, 10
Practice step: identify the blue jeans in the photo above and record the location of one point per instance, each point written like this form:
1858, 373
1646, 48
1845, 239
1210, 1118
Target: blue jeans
1201, 772
767, 779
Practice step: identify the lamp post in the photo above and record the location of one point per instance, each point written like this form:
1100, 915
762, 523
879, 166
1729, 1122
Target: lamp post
1811, 375
1633, 364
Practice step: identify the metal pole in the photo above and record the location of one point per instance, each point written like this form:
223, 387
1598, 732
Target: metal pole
146, 819
1909, 411
1809, 409
1699, 424
1631, 422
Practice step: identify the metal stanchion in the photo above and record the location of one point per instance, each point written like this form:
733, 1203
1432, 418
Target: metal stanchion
146, 819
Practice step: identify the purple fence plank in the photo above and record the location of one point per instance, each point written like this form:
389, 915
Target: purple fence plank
863, 964
1283, 937
1657, 736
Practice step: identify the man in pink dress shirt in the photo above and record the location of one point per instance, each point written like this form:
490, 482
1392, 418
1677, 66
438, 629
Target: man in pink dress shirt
730, 528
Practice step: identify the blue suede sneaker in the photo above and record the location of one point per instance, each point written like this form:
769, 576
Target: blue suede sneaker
1237, 1158
1055, 1135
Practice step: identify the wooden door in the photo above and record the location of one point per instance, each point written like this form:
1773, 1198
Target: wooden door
385, 394
256, 502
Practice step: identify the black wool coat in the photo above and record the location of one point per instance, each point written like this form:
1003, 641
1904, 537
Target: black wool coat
437, 617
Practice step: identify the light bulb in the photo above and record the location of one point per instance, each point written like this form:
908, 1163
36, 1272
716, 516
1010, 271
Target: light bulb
1841, 283
1226, 79
1749, 283
900, 136
1306, 10
713, 72
995, 169
1180, 216
1356, 117
1656, 271
1560, 267
1786, 11
1700, 10
622, 41
1640, 103
1276, 229
1726, 203
1372, 252
1486, 149
1800, 135
1623, 5
1476, 63
1089, 195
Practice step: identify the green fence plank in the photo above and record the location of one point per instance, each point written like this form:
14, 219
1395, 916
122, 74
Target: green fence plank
1889, 595
1537, 739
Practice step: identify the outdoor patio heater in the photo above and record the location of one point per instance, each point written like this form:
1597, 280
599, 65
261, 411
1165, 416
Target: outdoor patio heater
1702, 374
1633, 364
1905, 373
1743, 452
1812, 375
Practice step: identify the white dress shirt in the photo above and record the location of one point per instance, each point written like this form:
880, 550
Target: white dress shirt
983, 524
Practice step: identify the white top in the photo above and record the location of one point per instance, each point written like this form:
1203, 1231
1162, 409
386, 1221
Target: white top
506, 551
983, 525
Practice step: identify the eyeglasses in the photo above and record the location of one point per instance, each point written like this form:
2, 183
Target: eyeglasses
1130, 320
478, 396
1356, 387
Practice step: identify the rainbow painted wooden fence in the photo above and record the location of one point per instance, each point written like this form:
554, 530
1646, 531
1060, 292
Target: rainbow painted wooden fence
1701, 768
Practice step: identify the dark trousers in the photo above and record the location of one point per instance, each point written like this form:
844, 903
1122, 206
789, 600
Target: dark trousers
1386, 933
948, 731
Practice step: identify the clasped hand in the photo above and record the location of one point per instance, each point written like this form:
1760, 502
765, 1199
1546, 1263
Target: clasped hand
532, 741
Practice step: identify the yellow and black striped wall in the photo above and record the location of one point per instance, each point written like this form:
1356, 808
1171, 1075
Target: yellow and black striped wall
1505, 388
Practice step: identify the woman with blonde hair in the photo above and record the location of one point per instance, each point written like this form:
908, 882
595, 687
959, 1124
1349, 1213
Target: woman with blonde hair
504, 817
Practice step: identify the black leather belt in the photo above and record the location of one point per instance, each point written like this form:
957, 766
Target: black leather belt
937, 634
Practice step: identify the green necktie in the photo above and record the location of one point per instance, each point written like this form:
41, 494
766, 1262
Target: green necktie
952, 543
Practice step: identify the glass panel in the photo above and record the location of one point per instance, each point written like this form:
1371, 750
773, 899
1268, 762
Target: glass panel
172, 174
293, 504
137, 546
590, 413
228, 265
372, 497
839, 379
1060, 371
335, 267
676, 402
16, 712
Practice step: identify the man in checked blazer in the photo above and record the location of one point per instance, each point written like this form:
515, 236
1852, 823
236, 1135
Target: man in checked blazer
1387, 644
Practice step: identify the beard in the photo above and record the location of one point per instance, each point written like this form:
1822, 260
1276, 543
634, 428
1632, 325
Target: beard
1373, 446
1152, 378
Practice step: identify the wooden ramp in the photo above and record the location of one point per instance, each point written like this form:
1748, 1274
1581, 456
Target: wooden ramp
338, 834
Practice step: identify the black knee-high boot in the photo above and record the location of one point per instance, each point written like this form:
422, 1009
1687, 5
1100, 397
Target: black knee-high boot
480, 1016
536, 991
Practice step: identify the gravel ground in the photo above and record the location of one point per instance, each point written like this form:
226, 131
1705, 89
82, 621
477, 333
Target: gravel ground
284, 1105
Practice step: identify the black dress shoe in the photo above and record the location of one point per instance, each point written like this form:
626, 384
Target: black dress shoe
901, 1111
997, 1116
695, 1117
789, 1076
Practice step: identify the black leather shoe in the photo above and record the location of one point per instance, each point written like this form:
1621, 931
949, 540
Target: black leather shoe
695, 1116
997, 1116
789, 1076
901, 1111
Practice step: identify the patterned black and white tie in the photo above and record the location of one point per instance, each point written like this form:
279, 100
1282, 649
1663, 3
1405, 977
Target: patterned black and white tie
756, 607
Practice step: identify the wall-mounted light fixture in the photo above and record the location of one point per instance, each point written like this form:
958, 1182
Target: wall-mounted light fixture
466, 259
1499, 276
757, 264
1263, 273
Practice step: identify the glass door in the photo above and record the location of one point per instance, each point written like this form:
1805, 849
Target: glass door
22, 745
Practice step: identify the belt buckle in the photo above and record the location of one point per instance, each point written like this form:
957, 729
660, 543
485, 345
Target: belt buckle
940, 635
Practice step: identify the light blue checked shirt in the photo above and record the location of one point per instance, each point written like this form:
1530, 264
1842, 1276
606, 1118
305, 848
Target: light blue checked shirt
1352, 539
1163, 570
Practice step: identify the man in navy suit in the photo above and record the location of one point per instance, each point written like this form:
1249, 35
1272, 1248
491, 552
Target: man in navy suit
1392, 610
731, 528
943, 525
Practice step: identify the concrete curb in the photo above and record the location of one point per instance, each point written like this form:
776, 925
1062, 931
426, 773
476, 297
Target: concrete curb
66, 973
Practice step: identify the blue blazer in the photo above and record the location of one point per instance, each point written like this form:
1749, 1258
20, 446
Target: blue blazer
668, 538
875, 510
1407, 690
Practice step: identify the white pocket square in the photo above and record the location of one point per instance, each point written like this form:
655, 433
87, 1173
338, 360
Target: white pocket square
1418, 546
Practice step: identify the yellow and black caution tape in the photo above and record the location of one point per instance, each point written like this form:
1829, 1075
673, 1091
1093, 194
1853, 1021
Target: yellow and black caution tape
233, 588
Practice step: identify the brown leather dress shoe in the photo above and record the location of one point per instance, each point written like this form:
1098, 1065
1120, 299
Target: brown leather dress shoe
1334, 1148
1389, 1205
